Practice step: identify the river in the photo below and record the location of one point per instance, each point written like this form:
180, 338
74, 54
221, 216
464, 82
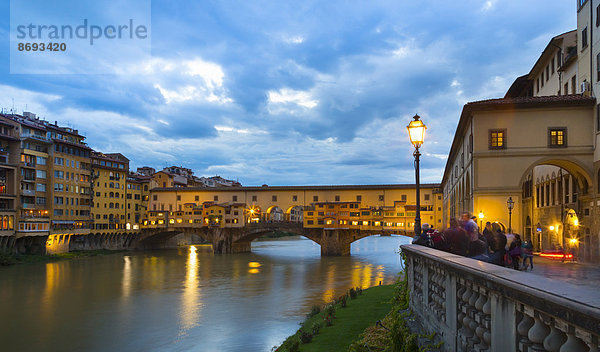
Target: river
182, 300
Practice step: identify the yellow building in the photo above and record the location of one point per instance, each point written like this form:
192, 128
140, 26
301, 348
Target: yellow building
315, 201
137, 195
70, 174
109, 185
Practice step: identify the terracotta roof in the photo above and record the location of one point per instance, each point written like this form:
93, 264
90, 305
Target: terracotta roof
524, 102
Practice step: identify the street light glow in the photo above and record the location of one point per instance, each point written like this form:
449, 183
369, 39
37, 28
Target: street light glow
416, 131
551, 227
481, 215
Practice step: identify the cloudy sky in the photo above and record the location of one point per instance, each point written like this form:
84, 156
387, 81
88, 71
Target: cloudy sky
293, 92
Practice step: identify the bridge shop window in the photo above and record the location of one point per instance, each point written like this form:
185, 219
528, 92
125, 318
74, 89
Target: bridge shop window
358, 198
497, 139
234, 198
557, 137
315, 198
254, 198
337, 198
294, 198
274, 198
216, 198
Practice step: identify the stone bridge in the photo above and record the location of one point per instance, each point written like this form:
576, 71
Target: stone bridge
333, 242
477, 306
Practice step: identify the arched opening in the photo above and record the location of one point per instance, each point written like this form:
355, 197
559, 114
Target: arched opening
253, 214
553, 196
294, 214
275, 214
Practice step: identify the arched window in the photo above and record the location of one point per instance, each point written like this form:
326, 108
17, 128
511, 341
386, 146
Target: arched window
111, 205
111, 185
116, 194
111, 194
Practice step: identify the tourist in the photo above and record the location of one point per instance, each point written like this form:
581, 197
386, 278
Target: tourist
423, 239
456, 238
514, 251
497, 247
527, 252
469, 226
476, 245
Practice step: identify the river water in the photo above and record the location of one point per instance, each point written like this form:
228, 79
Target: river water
182, 300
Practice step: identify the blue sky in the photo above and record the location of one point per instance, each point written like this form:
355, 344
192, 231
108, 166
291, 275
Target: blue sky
295, 92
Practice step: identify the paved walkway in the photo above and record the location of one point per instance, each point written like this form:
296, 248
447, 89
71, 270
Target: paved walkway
587, 275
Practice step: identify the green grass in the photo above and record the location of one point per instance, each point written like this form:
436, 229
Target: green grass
349, 322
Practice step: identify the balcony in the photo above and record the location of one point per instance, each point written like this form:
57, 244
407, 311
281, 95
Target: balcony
36, 137
28, 192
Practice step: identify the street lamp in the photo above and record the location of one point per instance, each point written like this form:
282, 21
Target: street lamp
416, 133
510, 203
481, 216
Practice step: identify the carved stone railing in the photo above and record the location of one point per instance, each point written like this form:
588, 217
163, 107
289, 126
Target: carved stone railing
476, 306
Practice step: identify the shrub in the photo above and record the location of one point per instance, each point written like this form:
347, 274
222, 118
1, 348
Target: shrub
305, 337
359, 290
330, 309
328, 320
316, 327
314, 311
343, 301
352, 293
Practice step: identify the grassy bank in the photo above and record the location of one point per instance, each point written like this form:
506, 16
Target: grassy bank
12, 259
376, 319
347, 321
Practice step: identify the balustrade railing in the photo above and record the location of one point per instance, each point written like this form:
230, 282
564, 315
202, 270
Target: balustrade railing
477, 306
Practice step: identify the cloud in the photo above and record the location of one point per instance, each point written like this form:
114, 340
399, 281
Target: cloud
266, 92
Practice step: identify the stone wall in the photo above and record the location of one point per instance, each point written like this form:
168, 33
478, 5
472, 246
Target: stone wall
476, 306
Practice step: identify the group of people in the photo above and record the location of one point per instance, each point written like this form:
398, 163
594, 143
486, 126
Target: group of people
491, 245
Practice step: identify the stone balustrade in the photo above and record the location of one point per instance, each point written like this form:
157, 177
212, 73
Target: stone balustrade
477, 306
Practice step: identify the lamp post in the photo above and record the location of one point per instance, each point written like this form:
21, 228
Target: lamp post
510, 203
481, 216
416, 133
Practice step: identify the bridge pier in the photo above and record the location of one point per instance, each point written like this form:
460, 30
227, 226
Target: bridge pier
335, 243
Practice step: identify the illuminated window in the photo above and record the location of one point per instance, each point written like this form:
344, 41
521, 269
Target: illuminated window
557, 137
497, 139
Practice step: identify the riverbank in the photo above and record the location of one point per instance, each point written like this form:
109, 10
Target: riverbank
13, 259
338, 324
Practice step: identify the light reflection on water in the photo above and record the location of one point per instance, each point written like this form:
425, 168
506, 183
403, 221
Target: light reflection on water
183, 300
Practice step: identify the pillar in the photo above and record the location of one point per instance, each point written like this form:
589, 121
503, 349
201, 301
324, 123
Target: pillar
335, 243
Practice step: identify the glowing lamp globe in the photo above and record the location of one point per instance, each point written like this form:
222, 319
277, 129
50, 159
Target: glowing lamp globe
416, 131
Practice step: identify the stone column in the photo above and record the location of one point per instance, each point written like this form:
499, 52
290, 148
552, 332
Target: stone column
335, 243
503, 324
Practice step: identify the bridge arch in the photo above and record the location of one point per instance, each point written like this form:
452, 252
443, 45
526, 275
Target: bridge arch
274, 214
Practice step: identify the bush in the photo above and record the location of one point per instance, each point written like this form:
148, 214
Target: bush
328, 320
316, 327
314, 311
352, 293
342, 301
330, 309
305, 337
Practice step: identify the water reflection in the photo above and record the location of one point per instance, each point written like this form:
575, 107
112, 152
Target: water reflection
126, 283
191, 300
254, 267
182, 300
